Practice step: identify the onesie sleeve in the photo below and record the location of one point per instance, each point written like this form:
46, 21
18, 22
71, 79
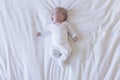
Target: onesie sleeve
47, 27
71, 31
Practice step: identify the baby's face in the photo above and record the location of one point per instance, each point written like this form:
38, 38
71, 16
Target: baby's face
58, 17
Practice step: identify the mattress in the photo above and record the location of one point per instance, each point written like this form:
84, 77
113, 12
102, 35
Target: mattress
95, 56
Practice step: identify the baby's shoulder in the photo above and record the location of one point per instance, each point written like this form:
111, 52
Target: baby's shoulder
51, 24
66, 23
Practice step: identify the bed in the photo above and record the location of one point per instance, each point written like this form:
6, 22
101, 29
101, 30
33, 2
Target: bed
95, 56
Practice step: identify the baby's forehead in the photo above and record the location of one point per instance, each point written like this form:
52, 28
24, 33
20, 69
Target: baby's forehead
59, 10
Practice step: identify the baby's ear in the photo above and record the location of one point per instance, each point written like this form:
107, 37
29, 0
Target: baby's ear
65, 17
52, 16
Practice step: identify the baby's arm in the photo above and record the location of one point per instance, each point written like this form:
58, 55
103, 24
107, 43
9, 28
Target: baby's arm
38, 34
46, 29
72, 32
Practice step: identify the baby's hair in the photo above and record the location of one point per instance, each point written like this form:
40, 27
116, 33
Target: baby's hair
64, 12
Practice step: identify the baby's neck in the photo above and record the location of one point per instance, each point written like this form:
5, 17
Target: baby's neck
57, 22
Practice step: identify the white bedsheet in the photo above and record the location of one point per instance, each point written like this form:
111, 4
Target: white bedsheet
96, 55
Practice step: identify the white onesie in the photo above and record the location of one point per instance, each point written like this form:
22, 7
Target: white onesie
60, 48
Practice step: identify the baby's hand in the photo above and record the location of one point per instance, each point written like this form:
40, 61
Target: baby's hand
38, 34
75, 38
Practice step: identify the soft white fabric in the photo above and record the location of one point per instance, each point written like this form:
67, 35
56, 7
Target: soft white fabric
96, 55
59, 41
60, 31
60, 53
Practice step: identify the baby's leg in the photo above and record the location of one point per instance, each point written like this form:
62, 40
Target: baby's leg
54, 53
65, 51
61, 60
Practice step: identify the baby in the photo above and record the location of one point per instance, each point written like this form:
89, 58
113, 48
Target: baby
60, 49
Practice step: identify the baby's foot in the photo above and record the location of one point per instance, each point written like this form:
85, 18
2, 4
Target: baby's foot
61, 64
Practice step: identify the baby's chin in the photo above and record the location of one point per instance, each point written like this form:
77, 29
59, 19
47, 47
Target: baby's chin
58, 21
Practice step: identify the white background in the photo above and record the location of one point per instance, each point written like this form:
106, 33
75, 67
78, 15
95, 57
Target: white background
95, 56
